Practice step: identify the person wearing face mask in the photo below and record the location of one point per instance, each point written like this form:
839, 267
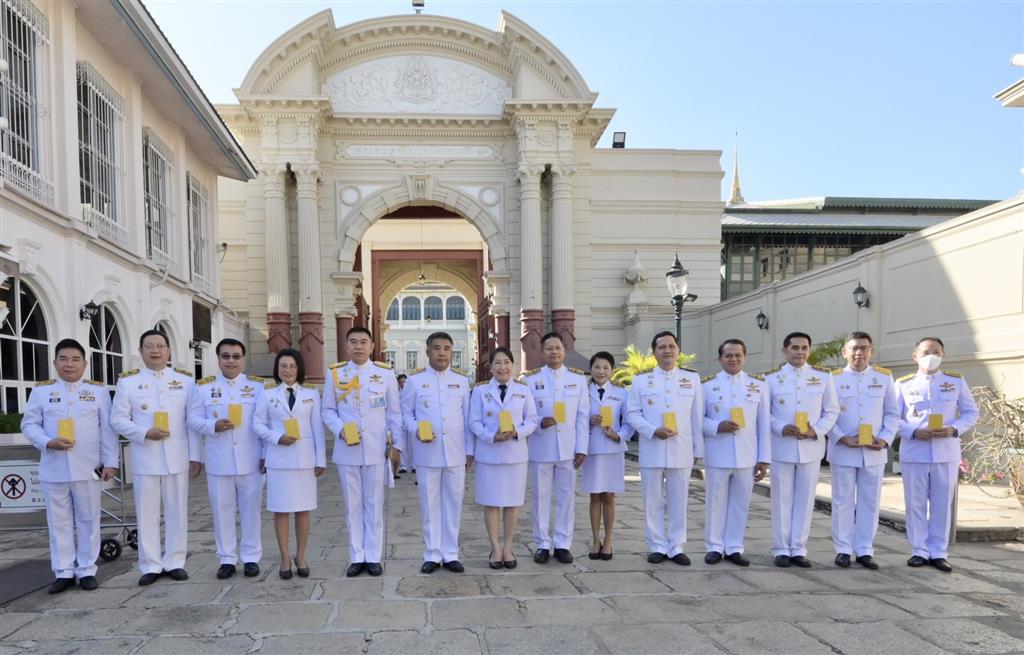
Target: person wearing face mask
937, 408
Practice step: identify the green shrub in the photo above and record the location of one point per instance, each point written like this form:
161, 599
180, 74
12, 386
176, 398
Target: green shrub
10, 423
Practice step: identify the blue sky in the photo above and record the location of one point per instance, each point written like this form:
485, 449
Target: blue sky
830, 98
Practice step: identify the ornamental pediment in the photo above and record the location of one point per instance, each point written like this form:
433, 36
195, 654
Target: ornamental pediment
417, 84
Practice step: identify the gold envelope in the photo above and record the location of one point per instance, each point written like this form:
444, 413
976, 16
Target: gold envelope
161, 420
425, 431
351, 433
606, 417
935, 422
505, 421
736, 416
291, 428
669, 420
559, 414
235, 414
865, 435
66, 429
802, 422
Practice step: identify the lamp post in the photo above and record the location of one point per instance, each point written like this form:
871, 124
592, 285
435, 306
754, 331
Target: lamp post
860, 297
678, 280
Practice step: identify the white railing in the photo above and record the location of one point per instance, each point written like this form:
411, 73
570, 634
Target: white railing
107, 227
25, 179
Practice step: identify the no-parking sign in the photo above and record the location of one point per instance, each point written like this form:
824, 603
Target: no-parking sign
20, 489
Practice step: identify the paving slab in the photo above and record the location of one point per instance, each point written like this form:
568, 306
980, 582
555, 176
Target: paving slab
758, 637
196, 620
10, 621
570, 611
114, 646
851, 608
449, 642
482, 612
204, 645
705, 583
314, 644
282, 618
71, 624
965, 636
664, 609
541, 640
189, 593
655, 639
373, 615
864, 638
361, 588
936, 605
530, 585
441, 587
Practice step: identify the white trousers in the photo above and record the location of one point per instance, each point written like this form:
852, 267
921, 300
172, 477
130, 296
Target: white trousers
244, 494
170, 491
856, 494
73, 519
441, 491
556, 479
792, 487
363, 488
928, 495
728, 501
665, 488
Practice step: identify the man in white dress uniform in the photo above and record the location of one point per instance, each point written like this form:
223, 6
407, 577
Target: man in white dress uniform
149, 410
557, 448
68, 421
737, 449
360, 406
233, 456
858, 445
804, 409
937, 408
435, 408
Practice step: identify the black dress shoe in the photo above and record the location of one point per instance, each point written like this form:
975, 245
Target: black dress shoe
429, 567
563, 555
455, 566
596, 555
656, 558
178, 575
916, 561
541, 556
285, 574
354, 569
510, 563
148, 579
374, 568
843, 560
868, 562
801, 561
712, 557
782, 561
303, 571
251, 569
942, 564
89, 583
494, 565
738, 559
62, 584
681, 559
225, 571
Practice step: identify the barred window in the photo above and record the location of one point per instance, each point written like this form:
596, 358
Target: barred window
24, 33
107, 346
455, 309
24, 345
410, 309
433, 309
100, 115
392, 314
156, 181
411, 360
199, 234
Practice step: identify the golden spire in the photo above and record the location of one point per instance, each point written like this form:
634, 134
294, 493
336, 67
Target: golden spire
736, 198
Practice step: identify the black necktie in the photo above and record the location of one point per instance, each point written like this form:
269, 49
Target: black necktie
503, 388
600, 393
291, 398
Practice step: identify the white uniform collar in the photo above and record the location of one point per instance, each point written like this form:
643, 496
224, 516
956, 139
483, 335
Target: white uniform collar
795, 369
663, 372
221, 378
730, 377
159, 375
849, 369
438, 373
362, 368
554, 372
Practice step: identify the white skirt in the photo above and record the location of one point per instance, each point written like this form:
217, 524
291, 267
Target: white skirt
604, 473
291, 490
500, 485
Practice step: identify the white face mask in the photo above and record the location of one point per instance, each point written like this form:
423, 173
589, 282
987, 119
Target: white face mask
929, 362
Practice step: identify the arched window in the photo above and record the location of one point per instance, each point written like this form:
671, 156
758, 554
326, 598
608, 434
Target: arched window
456, 309
24, 345
433, 309
410, 309
108, 348
392, 311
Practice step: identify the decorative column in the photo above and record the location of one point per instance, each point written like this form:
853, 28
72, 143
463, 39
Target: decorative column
563, 312
279, 318
345, 285
531, 290
311, 317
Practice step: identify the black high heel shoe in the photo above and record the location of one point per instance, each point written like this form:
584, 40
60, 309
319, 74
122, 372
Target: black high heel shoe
596, 555
303, 571
491, 563
286, 574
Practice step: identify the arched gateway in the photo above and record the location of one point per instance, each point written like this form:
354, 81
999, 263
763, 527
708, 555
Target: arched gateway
497, 127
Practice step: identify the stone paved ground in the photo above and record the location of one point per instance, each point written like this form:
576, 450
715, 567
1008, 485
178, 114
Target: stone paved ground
620, 606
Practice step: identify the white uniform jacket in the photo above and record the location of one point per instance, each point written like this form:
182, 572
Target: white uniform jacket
366, 395
753, 442
231, 452
561, 441
653, 395
139, 394
867, 397
485, 407
921, 394
88, 403
271, 413
614, 397
443, 399
805, 389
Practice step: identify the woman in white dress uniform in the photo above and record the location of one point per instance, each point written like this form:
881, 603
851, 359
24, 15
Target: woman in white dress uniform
604, 470
293, 464
501, 457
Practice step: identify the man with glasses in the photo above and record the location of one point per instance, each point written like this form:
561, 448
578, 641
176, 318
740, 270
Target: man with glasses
869, 415
220, 416
150, 406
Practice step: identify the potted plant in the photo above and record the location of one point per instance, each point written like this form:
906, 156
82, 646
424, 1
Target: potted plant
994, 449
10, 428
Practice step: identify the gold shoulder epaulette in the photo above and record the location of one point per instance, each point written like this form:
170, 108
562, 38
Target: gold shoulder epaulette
383, 365
183, 372
415, 371
757, 376
310, 385
772, 370
255, 378
461, 371
882, 369
95, 382
338, 364
706, 378
477, 384
821, 369
129, 373
532, 371
954, 374
617, 384
207, 380
578, 371
43, 383
837, 371
270, 385
906, 377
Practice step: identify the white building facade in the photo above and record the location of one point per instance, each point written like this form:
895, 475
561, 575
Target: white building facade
109, 159
419, 311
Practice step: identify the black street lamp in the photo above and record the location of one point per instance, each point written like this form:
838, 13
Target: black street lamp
678, 280
88, 311
860, 297
762, 320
